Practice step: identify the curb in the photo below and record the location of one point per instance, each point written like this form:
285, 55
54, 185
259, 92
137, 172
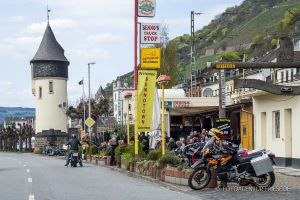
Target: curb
287, 171
146, 178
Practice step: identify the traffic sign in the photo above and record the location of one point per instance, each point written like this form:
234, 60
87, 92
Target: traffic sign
89, 122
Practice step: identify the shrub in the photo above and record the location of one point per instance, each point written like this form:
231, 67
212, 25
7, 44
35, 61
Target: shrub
119, 150
38, 150
93, 150
127, 156
109, 151
169, 159
154, 155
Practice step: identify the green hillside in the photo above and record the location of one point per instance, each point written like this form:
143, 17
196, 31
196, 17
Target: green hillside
248, 28
266, 23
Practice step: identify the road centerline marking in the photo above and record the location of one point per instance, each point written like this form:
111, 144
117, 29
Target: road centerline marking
31, 197
27, 170
29, 180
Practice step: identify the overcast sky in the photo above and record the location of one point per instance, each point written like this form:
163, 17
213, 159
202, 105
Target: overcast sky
88, 30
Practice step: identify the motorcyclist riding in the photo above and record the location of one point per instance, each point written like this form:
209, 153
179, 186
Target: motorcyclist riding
73, 143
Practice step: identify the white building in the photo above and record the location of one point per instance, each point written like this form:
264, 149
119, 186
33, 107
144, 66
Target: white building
49, 69
119, 89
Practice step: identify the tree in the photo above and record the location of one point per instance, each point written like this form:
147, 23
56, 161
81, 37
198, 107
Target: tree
230, 56
97, 108
169, 58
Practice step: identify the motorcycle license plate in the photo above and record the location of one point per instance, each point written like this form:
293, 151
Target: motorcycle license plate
75, 154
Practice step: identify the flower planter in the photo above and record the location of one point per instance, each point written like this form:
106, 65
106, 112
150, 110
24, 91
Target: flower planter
150, 169
109, 161
124, 164
102, 160
131, 166
177, 174
161, 174
185, 176
169, 175
89, 158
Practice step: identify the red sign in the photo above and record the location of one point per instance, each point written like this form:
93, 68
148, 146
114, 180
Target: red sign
181, 104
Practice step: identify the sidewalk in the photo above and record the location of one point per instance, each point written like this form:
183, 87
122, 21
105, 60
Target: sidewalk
146, 178
287, 171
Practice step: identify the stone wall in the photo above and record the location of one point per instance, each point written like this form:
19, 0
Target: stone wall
51, 137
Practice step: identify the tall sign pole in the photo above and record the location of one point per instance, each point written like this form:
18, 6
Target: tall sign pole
135, 40
222, 102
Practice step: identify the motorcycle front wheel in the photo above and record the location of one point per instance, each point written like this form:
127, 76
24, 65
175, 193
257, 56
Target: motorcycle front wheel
265, 181
199, 179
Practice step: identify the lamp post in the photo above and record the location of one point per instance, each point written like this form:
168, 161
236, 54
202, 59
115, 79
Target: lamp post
127, 96
89, 64
162, 80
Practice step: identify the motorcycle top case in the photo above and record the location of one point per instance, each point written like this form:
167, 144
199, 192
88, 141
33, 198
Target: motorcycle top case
262, 165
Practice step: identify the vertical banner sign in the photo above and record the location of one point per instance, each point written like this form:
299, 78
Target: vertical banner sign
223, 95
146, 89
146, 8
150, 33
223, 124
150, 58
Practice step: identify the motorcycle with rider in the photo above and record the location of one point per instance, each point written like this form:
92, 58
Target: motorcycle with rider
74, 155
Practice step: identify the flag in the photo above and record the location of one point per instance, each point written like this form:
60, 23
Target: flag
80, 82
146, 91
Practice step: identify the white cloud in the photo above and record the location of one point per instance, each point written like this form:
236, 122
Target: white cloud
19, 47
57, 24
105, 38
22, 41
17, 18
6, 87
95, 54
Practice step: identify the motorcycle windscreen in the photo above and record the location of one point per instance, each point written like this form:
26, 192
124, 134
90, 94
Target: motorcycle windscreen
209, 143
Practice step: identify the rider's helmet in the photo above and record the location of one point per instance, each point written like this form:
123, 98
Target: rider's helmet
73, 136
214, 132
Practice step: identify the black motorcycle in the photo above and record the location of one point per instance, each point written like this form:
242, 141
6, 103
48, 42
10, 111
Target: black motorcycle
190, 153
231, 166
74, 158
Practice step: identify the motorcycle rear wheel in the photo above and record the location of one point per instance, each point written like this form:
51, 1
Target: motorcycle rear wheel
265, 181
195, 179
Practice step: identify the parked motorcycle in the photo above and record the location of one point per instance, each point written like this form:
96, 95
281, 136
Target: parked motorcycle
190, 153
232, 165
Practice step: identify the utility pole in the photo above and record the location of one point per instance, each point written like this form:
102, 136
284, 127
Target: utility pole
193, 59
89, 64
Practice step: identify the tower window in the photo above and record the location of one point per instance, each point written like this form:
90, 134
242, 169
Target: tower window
40, 92
50, 86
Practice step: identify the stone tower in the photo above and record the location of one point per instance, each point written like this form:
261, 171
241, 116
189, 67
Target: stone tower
49, 73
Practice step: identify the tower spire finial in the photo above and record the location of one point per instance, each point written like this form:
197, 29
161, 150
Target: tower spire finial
48, 11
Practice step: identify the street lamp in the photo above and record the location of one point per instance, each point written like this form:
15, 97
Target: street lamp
162, 80
127, 96
89, 64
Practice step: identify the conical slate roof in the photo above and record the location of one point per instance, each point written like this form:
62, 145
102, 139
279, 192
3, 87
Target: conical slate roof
49, 49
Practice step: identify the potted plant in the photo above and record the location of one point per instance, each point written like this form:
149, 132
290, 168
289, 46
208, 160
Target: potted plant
126, 159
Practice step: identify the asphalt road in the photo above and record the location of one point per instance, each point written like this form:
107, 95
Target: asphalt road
33, 177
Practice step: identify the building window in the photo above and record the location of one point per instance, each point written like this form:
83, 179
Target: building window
51, 87
40, 92
287, 76
298, 70
292, 75
276, 123
282, 75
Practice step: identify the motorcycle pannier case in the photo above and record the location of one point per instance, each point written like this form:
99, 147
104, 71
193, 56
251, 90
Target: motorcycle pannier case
262, 165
